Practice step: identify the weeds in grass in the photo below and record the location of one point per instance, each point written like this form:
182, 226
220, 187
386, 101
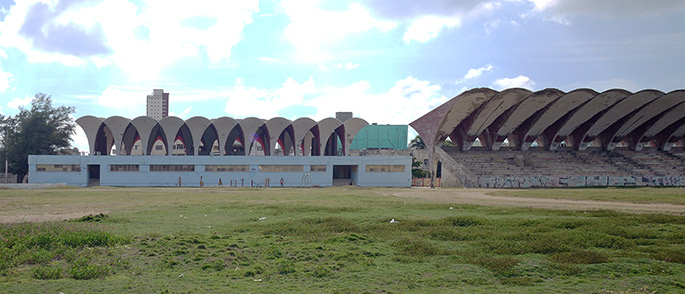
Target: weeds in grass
47, 272
41, 244
93, 218
580, 257
415, 247
499, 265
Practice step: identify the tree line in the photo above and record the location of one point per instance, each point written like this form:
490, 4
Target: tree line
41, 130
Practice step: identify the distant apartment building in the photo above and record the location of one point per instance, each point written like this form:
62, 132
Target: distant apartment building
158, 104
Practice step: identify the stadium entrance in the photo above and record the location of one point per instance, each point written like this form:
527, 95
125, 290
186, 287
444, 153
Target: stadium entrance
344, 175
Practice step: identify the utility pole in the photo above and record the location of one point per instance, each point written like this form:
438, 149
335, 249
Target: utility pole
6, 164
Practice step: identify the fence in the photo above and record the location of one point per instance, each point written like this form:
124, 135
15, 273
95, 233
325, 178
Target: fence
424, 182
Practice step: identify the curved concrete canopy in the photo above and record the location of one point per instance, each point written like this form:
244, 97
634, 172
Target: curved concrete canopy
171, 125
459, 117
615, 115
651, 110
352, 127
276, 127
327, 127
197, 125
523, 112
302, 126
117, 125
144, 125
251, 127
554, 116
668, 121
497, 106
224, 125
90, 125
587, 112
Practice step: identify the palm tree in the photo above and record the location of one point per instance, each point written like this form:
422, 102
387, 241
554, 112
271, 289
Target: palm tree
417, 143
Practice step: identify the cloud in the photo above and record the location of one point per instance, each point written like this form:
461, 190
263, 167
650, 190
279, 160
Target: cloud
79, 139
517, 82
245, 101
5, 79
562, 9
421, 95
412, 9
312, 28
184, 114
20, 102
126, 101
476, 72
46, 33
142, 39
347, 65
427, 28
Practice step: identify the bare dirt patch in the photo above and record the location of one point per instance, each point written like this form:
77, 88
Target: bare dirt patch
44, 217
480, 197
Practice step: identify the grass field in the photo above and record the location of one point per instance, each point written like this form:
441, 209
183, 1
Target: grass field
332, 240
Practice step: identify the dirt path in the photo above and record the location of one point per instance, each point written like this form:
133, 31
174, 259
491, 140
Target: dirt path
479, 197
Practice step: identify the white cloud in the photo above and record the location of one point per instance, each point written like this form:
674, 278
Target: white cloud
79, 139
312, 28
347, 65
20, 102
142, 39
421, 95
184, 114
5, 79
126, 101
476, 72
245, 101
428, 27
517, 82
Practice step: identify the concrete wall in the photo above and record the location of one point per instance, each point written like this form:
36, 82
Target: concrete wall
144, 177
578, 181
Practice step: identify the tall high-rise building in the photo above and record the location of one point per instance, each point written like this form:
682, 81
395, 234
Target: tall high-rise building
158, 104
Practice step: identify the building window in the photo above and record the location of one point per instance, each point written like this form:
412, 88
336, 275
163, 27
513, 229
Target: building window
227, 168
58, 168
280, 168
124, 167
171, 168
318, 168
384, 168
158, 147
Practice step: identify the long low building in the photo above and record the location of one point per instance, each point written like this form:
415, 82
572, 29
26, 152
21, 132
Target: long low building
236, 171
248, 152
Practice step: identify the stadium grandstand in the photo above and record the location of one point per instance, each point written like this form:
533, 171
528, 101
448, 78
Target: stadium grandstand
549, 138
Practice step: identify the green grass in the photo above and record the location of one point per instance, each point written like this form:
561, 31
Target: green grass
337, 240
634, 195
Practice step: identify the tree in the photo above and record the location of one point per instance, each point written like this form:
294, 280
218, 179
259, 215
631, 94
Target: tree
416, 171
41, 130
417, 143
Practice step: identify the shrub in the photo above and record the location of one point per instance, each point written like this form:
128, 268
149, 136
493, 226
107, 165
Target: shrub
83, 270
47, 273
92, 218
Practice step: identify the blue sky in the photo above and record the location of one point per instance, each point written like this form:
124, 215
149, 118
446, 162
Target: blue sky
388, 61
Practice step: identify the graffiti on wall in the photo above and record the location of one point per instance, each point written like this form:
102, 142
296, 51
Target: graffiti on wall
578, 181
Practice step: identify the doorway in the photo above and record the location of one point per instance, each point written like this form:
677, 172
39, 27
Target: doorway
93, 175
344, 175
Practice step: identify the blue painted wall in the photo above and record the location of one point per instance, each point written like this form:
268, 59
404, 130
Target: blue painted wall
144, 177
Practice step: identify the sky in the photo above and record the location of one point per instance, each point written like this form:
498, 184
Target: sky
388, 61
